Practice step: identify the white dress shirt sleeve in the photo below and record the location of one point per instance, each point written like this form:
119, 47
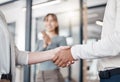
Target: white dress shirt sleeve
106, 47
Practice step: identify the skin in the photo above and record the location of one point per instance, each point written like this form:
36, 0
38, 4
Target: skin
63, 58
37, 57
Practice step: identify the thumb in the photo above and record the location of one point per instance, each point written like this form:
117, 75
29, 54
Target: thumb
65, 47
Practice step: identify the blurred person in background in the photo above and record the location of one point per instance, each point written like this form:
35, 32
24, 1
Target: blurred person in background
49, 72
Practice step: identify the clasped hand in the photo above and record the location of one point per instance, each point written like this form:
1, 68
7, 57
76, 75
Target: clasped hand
63, 57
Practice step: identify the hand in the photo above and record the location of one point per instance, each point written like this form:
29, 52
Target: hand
46, 38
63, 57
57, 50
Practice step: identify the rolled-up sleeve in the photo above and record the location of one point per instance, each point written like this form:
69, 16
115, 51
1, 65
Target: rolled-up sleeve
21, 57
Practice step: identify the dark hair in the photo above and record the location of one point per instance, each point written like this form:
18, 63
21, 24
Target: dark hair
55, 19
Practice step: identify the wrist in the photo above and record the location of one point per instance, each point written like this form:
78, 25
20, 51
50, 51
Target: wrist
74, 52
54, 52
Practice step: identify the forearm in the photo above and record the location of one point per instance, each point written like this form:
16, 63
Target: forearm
37, 57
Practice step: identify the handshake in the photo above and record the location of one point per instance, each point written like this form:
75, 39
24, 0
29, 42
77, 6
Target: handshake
63, 56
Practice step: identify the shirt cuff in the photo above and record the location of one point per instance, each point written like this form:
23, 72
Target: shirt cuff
75, 52
23, 58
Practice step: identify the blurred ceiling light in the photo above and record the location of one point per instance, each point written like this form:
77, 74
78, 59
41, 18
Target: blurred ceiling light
99, 23
44, 4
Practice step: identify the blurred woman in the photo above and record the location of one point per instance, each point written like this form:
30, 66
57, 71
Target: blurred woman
49, 72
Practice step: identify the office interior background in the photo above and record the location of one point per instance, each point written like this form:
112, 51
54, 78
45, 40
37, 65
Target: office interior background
80, 22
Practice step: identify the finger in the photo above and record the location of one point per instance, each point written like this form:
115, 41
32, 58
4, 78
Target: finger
62, 62
55, 58
70, 63
57, 61
73, 62
65, 47
63, 66
67, 65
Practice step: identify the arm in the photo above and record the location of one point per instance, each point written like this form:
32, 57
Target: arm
107, 47
37, 57
24, 58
